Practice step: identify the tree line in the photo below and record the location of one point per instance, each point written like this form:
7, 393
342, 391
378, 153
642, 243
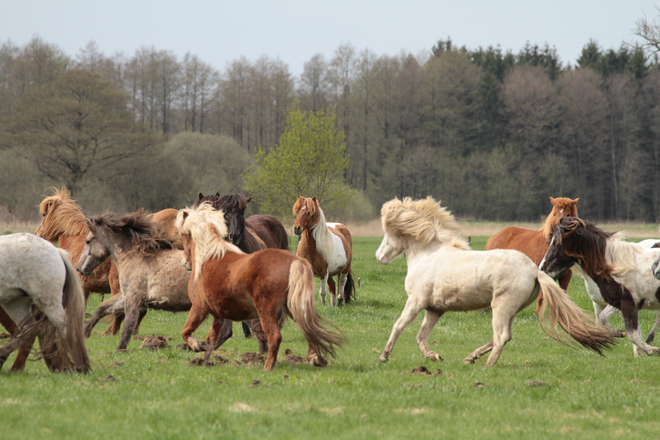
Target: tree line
491, 133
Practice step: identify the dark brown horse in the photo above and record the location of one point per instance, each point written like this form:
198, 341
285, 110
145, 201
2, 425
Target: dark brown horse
63, 222
229, 284
328, 248
251, 234
534, 244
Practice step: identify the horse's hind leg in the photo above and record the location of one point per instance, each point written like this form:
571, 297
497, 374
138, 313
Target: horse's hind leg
257, 329
333, 292
269, 325
410, 312
502, 323
656, 326
246, 329
430, 320
343, 277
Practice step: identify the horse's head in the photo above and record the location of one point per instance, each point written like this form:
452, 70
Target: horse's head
188, 243
567, 245
96, 250
60, 215
234, 206
307, 212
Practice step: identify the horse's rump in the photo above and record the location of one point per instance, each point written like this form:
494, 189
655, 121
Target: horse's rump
270, 230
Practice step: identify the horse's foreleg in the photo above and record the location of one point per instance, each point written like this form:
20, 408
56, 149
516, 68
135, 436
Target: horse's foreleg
112, 306
430, 320
132, 316
630, 315
333, 292
25, 335
246, 329
324, 287
24, 350
410, 312
257, 329
196, 316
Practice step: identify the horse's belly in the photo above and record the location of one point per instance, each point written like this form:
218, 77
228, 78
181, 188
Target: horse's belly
235, 308
456, 300
338, 258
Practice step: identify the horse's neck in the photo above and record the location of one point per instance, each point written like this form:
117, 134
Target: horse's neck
548, 227
251, 241
74, 244
323, 239
416, 251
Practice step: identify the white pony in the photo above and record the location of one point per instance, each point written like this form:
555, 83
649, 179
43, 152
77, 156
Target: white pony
33, 272
445, 275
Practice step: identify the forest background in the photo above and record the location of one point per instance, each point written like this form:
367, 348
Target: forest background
490, 133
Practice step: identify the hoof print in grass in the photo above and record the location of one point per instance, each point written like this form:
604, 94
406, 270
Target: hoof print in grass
536, 383
154, 342
480, 384
256, 383
110, 378
424, 370
200, 362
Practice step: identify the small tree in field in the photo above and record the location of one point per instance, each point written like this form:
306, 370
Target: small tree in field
310, 160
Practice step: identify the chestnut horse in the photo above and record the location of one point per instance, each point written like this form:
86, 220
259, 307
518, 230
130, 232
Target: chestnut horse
328, 249
229, 284
251, 234
63, 222
534, 244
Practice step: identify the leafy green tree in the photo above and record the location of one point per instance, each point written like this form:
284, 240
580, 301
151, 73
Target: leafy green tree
310, 160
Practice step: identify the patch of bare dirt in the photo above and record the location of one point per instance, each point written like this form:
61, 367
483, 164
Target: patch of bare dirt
424, 370
154, 342
292, 358
250, 359
201, 362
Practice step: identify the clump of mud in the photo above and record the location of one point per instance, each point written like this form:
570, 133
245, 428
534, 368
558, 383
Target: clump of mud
292, 358
250, 359
424, 370
154, 342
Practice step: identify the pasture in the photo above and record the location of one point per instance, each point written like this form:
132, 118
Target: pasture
538, 389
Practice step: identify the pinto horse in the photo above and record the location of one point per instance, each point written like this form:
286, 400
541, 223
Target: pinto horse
232, 285
618, 274
251, 234
534, 244
40, 289
328, 249
63, 222
444, 274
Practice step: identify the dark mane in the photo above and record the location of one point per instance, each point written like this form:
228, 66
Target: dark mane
585, 241
228, 203
137, 226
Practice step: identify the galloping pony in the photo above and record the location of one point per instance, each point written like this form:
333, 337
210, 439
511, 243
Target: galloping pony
64, 223
534, 244
150, 272
40, 289
251, 234
329, 249
617, 274
445, 275
229, 284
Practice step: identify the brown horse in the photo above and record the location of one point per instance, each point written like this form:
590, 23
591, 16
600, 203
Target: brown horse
63, 222
327, 248
535, 244
253, 234
229, 284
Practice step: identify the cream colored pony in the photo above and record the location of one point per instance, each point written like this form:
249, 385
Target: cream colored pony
445, 275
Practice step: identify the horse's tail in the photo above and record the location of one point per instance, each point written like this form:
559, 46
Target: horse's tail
69, 353
349, 288
300, 303
576, 322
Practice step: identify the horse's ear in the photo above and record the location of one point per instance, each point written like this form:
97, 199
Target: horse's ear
575, 201
201, 196
248, 199
217, 194
314, 198
552, 200
90, 225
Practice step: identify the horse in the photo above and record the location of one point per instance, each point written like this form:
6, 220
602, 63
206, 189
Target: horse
253, 234
149, 267
230, 284
444, 274
534, 244
40, 289
64, 223
328, 249
617, 273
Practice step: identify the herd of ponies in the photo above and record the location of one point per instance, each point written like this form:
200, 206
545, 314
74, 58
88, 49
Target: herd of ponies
210, 259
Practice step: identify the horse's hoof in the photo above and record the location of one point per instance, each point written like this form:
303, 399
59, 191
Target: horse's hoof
318, 361
382, 359
469, 360
435, 357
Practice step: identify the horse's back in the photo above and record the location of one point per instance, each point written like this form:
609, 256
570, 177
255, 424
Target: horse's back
164, 222
270, 230
527, 241
29, 262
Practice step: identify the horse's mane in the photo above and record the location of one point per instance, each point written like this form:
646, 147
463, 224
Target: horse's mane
207, 228
319, 229
425, 221
601, 253
559, 204
61, 216
137, 226
230, 202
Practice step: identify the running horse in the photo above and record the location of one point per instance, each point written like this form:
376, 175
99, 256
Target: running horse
328, 249
618, 274
252, 234
40, 289
444, 275
64, 223
230, 284
534, 244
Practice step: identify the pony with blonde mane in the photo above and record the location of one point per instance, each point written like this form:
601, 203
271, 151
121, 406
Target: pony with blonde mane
39, 289
534, 244
328, 248
445, 275
64, 223
617, 274
232, 285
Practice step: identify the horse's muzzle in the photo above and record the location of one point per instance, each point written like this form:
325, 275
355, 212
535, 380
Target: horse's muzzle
297, 230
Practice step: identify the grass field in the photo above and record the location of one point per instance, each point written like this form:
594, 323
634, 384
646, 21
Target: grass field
539, 388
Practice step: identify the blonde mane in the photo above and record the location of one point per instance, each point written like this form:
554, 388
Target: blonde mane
319, 229
425, 221
621, 255
60, 216
208, 230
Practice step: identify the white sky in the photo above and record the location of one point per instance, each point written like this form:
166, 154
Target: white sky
294, 30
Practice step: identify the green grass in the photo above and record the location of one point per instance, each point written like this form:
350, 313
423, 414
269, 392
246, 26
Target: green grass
157, 394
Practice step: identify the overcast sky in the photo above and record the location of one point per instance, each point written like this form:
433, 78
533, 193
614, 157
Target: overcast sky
295, 30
